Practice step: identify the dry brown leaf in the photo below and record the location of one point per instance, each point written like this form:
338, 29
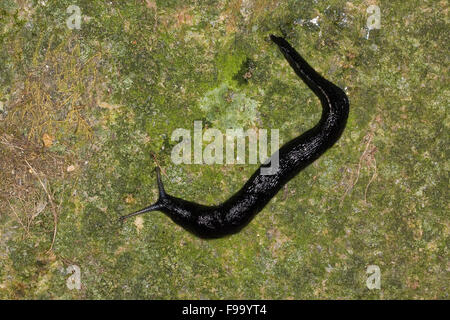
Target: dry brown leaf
151, 4
139, 223
48, 140
129, 199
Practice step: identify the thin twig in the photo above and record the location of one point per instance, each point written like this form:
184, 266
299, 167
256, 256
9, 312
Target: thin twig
52, 204
9, 144
18, 219
157, 164
371, 179
358, 171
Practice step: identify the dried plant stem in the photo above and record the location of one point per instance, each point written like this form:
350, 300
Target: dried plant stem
52, 205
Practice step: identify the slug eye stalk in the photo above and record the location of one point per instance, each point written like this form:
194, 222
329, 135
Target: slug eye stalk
158, 205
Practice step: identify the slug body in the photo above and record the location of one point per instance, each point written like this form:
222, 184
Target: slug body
236, 212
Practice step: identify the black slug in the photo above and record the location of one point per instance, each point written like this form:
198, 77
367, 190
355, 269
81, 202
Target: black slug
236, 212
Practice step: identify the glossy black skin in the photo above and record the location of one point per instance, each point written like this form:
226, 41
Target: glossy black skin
235, 213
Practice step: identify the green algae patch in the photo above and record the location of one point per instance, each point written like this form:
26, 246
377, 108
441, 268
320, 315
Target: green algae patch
230, 65
225, 108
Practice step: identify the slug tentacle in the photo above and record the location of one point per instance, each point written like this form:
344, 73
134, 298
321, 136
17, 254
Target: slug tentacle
236, 212
161, 191
158, 205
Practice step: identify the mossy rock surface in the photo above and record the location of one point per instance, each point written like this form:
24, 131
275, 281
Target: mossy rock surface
87, 114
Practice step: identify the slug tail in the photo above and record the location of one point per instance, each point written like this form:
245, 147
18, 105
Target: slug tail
307, 73
158, 205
